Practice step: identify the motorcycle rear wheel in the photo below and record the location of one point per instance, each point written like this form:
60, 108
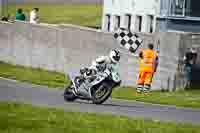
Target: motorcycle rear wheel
101, 94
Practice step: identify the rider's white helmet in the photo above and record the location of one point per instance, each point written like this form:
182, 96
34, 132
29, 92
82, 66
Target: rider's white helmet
114, 55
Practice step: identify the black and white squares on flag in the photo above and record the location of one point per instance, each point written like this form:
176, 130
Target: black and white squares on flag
127, 39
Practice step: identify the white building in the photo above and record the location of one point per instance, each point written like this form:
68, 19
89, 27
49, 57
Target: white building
151, 15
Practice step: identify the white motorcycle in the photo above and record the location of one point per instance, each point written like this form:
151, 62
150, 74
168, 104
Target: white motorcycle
91, 85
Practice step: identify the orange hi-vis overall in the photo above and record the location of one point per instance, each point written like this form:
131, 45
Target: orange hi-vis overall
148, 64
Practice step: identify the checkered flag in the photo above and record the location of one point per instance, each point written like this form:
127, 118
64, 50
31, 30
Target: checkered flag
128, 39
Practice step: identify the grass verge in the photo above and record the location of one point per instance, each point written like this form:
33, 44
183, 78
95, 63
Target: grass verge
54, 79
180, 98
79, 14
34, 76
22, 118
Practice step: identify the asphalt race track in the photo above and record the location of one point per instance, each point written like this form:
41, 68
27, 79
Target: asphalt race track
42, 96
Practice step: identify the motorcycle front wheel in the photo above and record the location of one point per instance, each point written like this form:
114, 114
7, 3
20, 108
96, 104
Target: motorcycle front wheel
101, 94
69, 95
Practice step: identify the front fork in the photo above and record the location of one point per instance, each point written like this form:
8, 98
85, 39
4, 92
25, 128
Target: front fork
82, 90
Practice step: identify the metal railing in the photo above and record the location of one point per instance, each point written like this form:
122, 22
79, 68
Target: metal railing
180, 8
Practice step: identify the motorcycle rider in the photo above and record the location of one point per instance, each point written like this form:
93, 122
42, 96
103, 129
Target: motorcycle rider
101, 62
99, 65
